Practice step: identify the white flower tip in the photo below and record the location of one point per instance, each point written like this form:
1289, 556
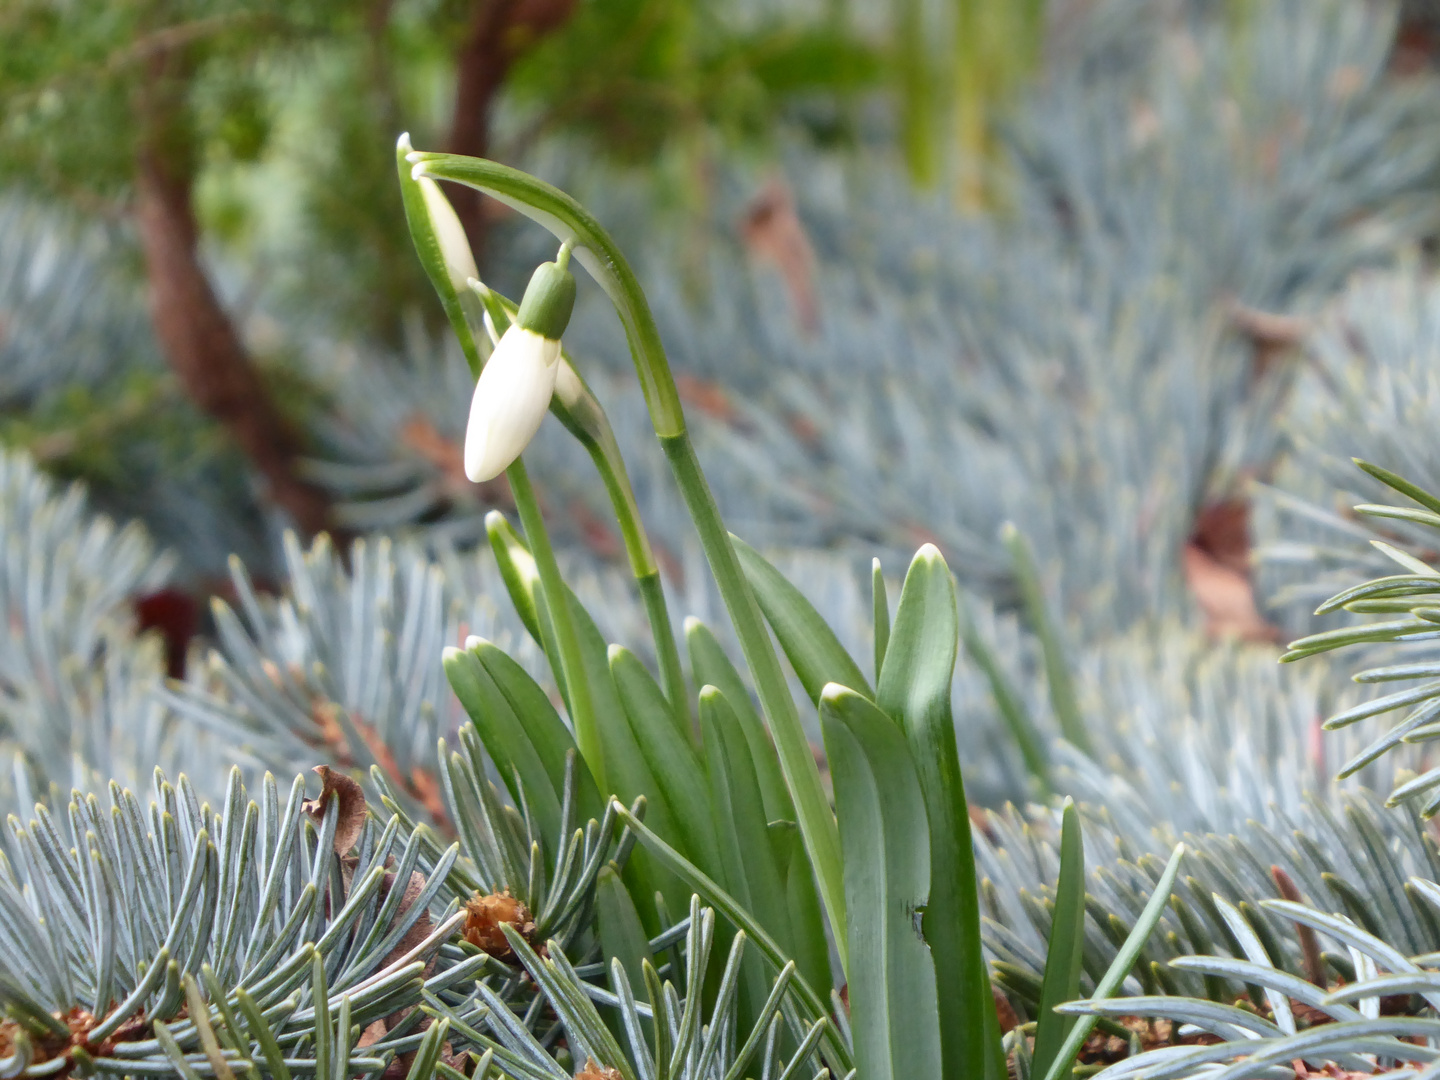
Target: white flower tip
417, 171
403, 143
473, 642
414, 155
510, 401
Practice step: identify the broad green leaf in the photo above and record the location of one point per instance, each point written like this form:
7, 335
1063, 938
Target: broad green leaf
915, 692
894, 1014
1067, 936
752, 873
1057, 666
507, 740
672, 758
627, 772
807, 920
542, 726
1008, 701
711, 666
1124, 961
746, 860
814, 651
622, 936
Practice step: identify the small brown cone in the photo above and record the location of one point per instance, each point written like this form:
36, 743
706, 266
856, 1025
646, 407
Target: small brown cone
485, 914
597, 1072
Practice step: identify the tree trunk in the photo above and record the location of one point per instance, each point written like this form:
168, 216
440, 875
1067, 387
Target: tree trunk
202, 346
499, 31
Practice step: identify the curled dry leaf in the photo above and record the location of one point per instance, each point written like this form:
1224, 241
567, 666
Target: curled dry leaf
597, 1072
351, 810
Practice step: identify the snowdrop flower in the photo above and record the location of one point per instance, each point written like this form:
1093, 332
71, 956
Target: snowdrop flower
518, 380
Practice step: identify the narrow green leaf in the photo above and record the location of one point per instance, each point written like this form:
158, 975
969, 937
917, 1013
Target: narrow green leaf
711, 666
1400, 484
814, 651
880, 604
627, 773
746, 860
542, 726
1395, 585
1408, 561
915, 692
506, 738
1067, 938
622, 936
894, 1015
517, 571
802, 900
1391, 630
1008, 701
1124, 961
750, 869
672, 758
1057, 666
1400, 513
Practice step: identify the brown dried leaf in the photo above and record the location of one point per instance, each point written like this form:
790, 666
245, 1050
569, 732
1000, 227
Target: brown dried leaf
373, 1033
351, 809
597, 1072
1226, 598
773, 232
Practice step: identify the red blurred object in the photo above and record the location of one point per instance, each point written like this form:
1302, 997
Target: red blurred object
176, 614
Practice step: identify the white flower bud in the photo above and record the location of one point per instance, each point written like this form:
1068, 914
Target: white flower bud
510, 400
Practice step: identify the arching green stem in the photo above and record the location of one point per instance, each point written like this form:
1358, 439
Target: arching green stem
576, 406
595, 250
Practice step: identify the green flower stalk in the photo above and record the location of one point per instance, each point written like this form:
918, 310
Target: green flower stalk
597, 252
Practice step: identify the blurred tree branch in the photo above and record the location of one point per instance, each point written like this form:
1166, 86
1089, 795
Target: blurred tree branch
499, 32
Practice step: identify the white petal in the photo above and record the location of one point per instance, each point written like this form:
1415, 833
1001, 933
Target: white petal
510, 400
454, 245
